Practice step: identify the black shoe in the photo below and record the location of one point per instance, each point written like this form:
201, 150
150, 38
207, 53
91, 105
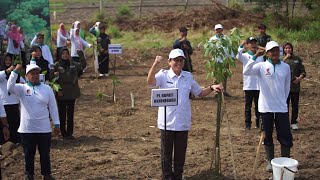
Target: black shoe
247, 128
28, 177
71, 137
48, 177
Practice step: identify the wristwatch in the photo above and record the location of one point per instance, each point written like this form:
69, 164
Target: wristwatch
211, 87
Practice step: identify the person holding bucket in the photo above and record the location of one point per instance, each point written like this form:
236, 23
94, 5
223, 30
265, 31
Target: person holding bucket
174, 134
274, 79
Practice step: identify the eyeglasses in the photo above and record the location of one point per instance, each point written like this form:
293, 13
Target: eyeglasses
178, 60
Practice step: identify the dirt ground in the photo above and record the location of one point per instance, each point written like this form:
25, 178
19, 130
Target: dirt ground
116, 141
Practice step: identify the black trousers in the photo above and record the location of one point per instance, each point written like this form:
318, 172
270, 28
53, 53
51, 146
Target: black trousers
294, 97
282, 124
173, 141
66, 115
13, 117
251, 95
30, 141
103, 60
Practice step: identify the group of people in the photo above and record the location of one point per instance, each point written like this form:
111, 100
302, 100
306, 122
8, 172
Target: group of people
270, 81
28, 104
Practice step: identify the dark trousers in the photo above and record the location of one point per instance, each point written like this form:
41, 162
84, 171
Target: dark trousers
282, 124
66, 114
103, 60
177, 141
251, 95
13, 117
294, 97
30, 141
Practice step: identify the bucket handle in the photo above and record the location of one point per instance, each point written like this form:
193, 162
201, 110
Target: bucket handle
290, 170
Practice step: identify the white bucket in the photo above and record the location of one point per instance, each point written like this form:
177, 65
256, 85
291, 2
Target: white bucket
284, 168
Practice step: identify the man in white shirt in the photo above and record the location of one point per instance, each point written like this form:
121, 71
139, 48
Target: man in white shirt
178, 117
46, 53
274, 83
250, 83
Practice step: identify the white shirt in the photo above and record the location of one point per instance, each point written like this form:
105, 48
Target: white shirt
178, 117
221, 58
46, 53
249, 82
7, 98
2, 111
274, 84
61, 39
37, 103
77, 45
11, 49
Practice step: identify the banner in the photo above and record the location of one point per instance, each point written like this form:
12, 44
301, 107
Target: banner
32, 15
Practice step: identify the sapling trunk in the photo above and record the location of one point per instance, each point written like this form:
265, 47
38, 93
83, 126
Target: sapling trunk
218, 125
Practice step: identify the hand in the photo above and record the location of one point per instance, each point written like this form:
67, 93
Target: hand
6, 133
60, 93
185, 46
158, 59
244, 43
259, 52
33, 54
11, 68
56, 131
56, 74
183, 39
287, 56
18, 67
90, 45
296, 81
217, 88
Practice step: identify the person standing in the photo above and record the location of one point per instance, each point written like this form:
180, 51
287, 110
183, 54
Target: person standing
68, 72
39, 41
4, 128
37, 105
178, 117
37, 57
297, 74
184, 44
9, 100
250, 83
77, 44
62, 39
103, 42
218, 29
15, 43
263, 38
274, 83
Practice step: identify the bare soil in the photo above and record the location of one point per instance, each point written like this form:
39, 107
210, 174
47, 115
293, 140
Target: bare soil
116, 141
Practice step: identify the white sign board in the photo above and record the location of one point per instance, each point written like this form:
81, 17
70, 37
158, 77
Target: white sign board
164, 97
42, 78
115, 49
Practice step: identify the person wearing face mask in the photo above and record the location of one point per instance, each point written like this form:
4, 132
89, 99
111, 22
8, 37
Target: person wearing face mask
274, 78
68, 73
297, 74
37, 105
250, 83
175, 135
9, 100
45, 50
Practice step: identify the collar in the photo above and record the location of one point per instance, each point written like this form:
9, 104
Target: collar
217, 36
251, 53
270, 61
35, 84
172, 74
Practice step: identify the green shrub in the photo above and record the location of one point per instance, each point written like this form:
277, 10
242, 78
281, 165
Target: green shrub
114, 32
123, 10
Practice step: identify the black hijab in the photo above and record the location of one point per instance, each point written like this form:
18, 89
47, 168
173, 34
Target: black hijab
64, 63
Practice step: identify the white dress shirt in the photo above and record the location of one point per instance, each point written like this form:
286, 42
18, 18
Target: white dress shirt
178, 117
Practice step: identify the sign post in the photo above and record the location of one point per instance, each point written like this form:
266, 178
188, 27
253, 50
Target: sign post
114, 49
164, 98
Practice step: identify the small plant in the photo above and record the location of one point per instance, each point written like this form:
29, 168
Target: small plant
54, 85
115, 82
114, 32
123, 10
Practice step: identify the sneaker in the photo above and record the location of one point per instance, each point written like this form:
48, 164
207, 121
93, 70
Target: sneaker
48, 177
106, 74
294, 127
101, 75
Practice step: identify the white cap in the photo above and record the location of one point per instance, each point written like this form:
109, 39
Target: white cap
176, 53
270, 45
218, 26
32, 66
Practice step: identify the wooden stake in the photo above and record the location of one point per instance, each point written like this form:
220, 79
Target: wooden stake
257, 156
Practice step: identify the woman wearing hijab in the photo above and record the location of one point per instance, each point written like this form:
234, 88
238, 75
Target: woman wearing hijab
10, 101
36, 56
77, 44
103, 42
62, 38
15, 43
68, 72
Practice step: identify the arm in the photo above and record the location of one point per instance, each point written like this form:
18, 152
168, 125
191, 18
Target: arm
11, 85
5, 127
190, 50
240, 51
62, 36
53, 109
151, 79
206, 91
287, 82
85, 43
34, 40
251, 67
